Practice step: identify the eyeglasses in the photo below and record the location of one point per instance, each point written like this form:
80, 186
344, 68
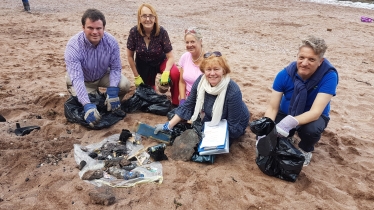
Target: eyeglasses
216, 53
151, 17
189, 31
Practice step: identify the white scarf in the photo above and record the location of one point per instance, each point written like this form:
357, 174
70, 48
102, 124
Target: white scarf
220, 90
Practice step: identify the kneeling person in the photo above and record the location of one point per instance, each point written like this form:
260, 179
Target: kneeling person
217, 96
93, 60
300, 100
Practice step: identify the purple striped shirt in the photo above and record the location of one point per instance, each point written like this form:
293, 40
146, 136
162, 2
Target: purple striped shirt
87, 63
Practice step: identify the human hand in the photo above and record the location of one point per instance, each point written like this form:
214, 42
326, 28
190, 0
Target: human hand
112, 101
285, 125
165, 78
181, 102
91, 115
138, 81
162, 127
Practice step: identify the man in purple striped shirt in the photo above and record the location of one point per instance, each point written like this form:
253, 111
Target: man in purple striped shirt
93, 60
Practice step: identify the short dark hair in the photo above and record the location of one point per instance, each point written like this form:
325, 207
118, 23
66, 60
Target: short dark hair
93, 15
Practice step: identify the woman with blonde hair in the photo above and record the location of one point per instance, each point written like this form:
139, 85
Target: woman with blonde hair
151, 44
190, 61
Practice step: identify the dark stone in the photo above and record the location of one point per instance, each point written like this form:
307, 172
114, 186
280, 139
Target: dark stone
78, 187
93, 155
91, 175
82, 164
183, 146
118, 162
105, 198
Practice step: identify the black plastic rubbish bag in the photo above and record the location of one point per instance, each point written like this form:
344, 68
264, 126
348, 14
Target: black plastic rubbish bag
171, 114
157, 152
74, 112
178, 129
284, 163
202, 158
2, 119
146, 99
283, 160
261, 127
197, 126
161, 108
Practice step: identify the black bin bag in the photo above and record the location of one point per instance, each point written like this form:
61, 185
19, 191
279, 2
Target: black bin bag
146, 99
276, 155
74, 112
262, 127
197, 126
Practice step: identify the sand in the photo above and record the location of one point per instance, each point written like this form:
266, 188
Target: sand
259, 38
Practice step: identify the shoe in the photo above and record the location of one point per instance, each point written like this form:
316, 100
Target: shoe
308, 157
26, 6
27, 9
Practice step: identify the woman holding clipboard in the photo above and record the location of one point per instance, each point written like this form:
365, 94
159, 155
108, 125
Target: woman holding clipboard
215, 95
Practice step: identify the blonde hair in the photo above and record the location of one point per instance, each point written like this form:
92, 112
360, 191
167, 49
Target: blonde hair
318, 45
140, 26
194, 31
213, 59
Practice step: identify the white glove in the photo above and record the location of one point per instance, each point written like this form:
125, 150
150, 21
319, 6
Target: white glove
284, 126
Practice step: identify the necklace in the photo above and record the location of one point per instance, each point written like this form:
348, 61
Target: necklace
149, 37
198, 57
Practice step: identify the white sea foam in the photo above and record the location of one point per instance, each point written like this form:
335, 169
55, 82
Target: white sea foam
345, 3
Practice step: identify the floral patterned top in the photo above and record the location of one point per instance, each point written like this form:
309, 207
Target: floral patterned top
158, 46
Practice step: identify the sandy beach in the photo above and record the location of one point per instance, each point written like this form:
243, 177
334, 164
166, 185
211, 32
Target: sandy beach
259, 38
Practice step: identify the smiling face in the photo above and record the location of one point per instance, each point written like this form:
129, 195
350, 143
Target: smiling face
147, 19
94, 31
214, 73
307, 62
192, 45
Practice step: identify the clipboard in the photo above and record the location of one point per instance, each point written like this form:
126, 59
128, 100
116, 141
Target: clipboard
219, 132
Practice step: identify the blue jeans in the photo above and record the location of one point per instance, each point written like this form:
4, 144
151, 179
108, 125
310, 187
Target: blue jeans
309, 133
25, 1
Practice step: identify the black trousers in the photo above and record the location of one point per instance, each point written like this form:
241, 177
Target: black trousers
309, 133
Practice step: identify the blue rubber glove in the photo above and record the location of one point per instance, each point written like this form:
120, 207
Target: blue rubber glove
112, 101
162, 127
286, 124
181, 102
91, 115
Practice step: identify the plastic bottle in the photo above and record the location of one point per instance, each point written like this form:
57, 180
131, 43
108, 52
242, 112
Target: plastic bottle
132, 175
116, 172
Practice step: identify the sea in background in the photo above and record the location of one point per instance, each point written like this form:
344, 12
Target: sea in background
360, 4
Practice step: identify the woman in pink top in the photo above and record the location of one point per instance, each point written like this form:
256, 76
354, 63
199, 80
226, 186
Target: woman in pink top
189, 62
